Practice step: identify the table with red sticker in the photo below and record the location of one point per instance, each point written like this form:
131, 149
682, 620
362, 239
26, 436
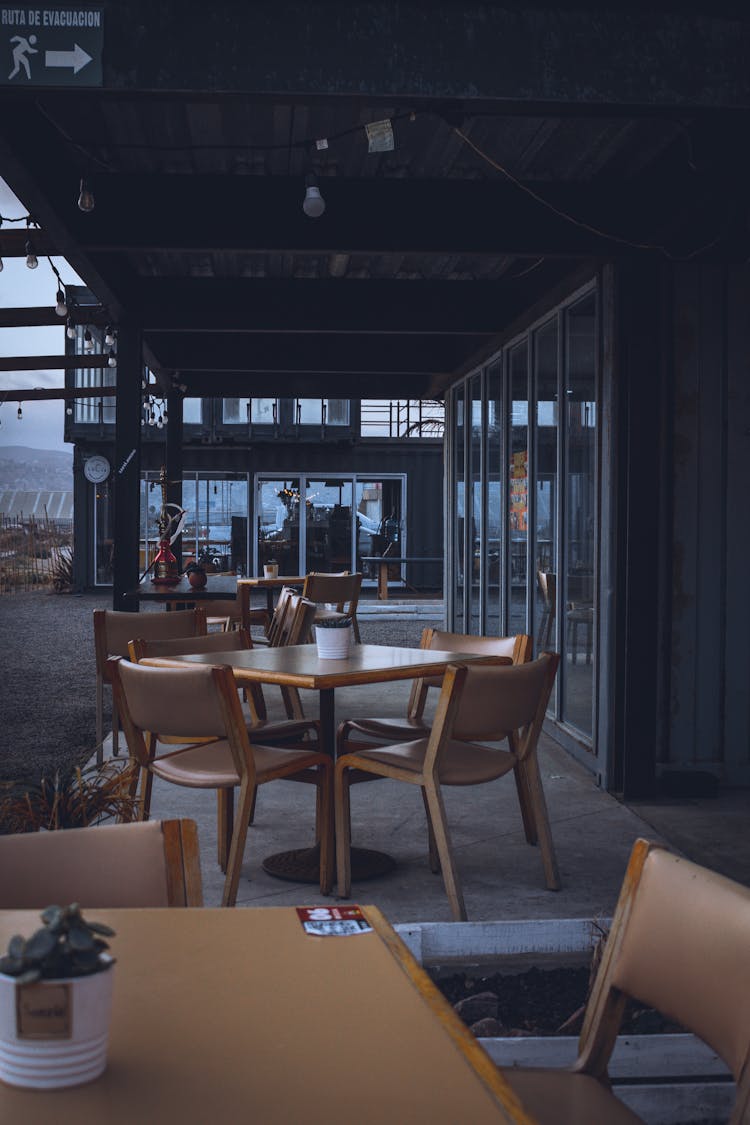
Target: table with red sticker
333, 921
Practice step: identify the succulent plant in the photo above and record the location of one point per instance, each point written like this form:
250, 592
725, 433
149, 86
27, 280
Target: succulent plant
334, 623
66, 946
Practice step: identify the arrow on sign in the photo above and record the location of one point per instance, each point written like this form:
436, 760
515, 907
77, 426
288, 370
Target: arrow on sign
77, 58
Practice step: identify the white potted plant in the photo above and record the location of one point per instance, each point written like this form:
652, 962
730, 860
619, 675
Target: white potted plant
333, 636
271, 569
56, 1002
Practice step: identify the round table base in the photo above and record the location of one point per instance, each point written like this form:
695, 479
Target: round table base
302, 865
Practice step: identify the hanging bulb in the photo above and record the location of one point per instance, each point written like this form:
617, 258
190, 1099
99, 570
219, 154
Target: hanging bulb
88, 341
19, 413
31, 259
70, 329
151, 419
314, 204
68, 410
109, 336
159, 423
164, 416
86, 197
2, 267
61, 308
112, 358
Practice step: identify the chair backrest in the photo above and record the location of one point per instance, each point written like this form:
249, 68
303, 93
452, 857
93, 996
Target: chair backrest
152, 863
279, 613
141, 648
341, 590
297, 623
114, 629
518, 648
170, 699
679, 942
490, 702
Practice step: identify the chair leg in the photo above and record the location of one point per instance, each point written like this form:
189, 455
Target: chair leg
115, 731
239, 837
251, 818
524, 801
144, 804
224, 824
434, 857
343, 832
530, 767
99, 720
355, 630
435, 804
324, 827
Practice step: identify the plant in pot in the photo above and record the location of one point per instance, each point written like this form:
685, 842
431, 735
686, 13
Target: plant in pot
196, 575
56, 1002
333, 636
271, 569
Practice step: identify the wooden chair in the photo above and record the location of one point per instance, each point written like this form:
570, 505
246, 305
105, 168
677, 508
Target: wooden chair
478, 703
341, 590
113, 629
517, 648
679, 942
166, 701
154, 864
277, 620
547, 585
165, 653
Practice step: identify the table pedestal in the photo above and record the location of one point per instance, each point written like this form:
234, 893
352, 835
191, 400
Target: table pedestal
302, 865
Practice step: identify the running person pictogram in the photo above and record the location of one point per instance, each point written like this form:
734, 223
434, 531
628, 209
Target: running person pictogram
24, 48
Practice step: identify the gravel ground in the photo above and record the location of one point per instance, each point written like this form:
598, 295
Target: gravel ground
48, 677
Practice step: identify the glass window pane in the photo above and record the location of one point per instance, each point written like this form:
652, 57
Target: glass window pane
494, 497
458, 508
580, 509
337, 411
278, 524
192, 411
477, 522
328, 511
235, 410
263, 411
545, 488
518, 531
309, 412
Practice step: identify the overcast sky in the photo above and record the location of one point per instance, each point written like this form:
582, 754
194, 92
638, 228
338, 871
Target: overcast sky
42, 424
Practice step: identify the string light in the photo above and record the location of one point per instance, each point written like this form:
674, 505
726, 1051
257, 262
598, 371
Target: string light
111, 358
70, 329
19, 412
31, 259
109, 336
2, 267
86, 200
88, 341
60, 307
314, 204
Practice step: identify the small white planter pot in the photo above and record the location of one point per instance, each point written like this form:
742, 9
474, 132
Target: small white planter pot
54, 1033
333, 644
271, 570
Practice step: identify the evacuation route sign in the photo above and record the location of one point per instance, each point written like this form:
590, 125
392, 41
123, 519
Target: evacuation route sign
51, 46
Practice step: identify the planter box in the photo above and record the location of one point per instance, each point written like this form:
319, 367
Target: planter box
665, 1079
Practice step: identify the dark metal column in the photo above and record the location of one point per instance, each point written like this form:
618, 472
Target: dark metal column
127, 467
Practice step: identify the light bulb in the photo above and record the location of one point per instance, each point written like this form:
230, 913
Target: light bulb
86, 197
313, 204
31, 259
88, 341
109, 336
159, 423
164, 416
112, 358
19, 413
68, 410
61, 308
70, 330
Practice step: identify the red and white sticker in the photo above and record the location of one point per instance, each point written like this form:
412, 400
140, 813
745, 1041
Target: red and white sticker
333, 921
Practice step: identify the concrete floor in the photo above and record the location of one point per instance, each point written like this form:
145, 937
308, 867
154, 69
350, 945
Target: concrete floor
502, 876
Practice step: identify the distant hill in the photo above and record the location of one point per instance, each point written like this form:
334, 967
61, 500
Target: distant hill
22, 467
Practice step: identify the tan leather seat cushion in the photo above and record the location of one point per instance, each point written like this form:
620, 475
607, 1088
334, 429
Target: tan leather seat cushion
391, 728
211, 765
463, 763
557, 1097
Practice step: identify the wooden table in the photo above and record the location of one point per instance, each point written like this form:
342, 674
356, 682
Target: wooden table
238, 1015
219, 587
270, 585
300, 666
